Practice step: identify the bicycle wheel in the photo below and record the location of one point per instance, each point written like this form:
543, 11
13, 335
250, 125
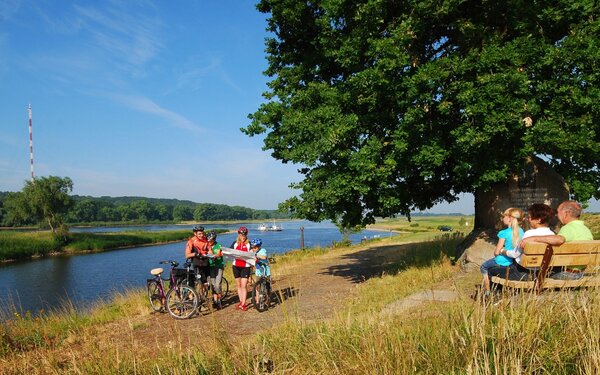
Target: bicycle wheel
260, 295
182, 302
154, 295
224, 287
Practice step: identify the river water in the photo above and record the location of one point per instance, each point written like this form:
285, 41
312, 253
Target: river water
81, 280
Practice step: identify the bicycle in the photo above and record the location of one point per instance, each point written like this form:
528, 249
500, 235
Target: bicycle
180, 300
261, 291
205, 290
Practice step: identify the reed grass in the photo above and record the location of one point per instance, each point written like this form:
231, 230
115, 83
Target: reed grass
23, 245
106, 241
530, 335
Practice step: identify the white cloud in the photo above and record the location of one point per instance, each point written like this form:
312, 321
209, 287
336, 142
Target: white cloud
195, 72
127, 34
143, 104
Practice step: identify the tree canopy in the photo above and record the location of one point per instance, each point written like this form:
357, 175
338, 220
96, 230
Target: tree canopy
45, 199
391, 106
16, 209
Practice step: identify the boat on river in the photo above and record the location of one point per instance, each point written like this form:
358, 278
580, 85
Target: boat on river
269, 228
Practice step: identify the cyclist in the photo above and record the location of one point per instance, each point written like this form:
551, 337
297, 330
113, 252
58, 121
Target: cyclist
241, 268
262, 269
196, 249
261, 258
216, 268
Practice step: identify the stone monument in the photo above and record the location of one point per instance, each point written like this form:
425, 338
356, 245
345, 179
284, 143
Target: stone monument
537, 183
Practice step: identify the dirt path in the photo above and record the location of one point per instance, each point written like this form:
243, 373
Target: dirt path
309, 293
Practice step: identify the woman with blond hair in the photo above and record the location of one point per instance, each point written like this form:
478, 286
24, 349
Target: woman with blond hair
508, 239
241, 268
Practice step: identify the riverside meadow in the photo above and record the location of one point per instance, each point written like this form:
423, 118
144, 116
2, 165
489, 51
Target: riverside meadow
367, 333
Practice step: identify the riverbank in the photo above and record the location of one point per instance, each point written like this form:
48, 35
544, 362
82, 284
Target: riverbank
28, 245
385, 306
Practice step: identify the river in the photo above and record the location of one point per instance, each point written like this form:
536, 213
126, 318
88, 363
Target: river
81, 280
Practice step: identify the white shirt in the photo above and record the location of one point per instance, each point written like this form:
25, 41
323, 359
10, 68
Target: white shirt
518, 251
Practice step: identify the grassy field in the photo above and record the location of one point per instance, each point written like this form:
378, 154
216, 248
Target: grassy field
24, 245
426, 224
463, 224
557, 333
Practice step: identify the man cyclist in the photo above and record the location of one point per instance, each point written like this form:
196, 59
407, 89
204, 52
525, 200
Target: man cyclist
197, 249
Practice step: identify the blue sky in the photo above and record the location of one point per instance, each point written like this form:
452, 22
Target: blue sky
141, 98
137, 98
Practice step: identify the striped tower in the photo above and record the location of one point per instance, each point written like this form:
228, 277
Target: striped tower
30, 143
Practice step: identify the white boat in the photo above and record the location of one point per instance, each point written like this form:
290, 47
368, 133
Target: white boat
263, 228
275, 228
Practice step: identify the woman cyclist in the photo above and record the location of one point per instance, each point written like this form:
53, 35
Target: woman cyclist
241, 268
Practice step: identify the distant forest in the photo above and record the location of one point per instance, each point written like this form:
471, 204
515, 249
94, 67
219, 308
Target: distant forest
86, 210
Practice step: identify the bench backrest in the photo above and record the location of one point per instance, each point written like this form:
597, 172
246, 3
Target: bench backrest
576, 253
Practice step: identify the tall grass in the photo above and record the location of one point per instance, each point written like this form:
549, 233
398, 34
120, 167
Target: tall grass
106, 241
526, 338
23, 245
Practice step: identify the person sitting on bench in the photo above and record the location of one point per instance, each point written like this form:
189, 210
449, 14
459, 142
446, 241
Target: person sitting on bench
538, 217
573, 229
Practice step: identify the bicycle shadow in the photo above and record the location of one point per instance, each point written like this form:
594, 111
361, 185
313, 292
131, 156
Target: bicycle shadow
281, 295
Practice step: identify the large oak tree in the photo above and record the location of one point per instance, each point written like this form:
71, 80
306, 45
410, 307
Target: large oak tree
388, 106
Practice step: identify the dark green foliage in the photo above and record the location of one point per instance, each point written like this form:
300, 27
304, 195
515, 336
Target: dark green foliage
94, 211
42, 201
392, 106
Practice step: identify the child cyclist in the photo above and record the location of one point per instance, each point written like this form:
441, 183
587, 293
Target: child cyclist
508, 239
262, 261
216, 268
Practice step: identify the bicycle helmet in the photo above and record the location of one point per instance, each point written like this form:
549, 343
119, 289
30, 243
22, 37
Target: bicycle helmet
211, 236
243, 230
198, 228
256, 242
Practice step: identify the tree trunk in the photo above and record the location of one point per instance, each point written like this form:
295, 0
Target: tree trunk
50, 225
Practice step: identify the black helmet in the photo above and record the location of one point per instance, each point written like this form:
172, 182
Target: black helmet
211, 236
198, 228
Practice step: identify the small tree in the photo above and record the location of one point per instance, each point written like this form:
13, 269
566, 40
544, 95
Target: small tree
45, 199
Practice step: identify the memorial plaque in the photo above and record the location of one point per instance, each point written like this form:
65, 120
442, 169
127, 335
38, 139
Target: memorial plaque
538, 183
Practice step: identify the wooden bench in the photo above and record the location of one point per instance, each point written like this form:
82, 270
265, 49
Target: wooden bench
571, 254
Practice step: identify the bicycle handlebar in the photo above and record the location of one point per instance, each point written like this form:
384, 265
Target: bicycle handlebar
171, 262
